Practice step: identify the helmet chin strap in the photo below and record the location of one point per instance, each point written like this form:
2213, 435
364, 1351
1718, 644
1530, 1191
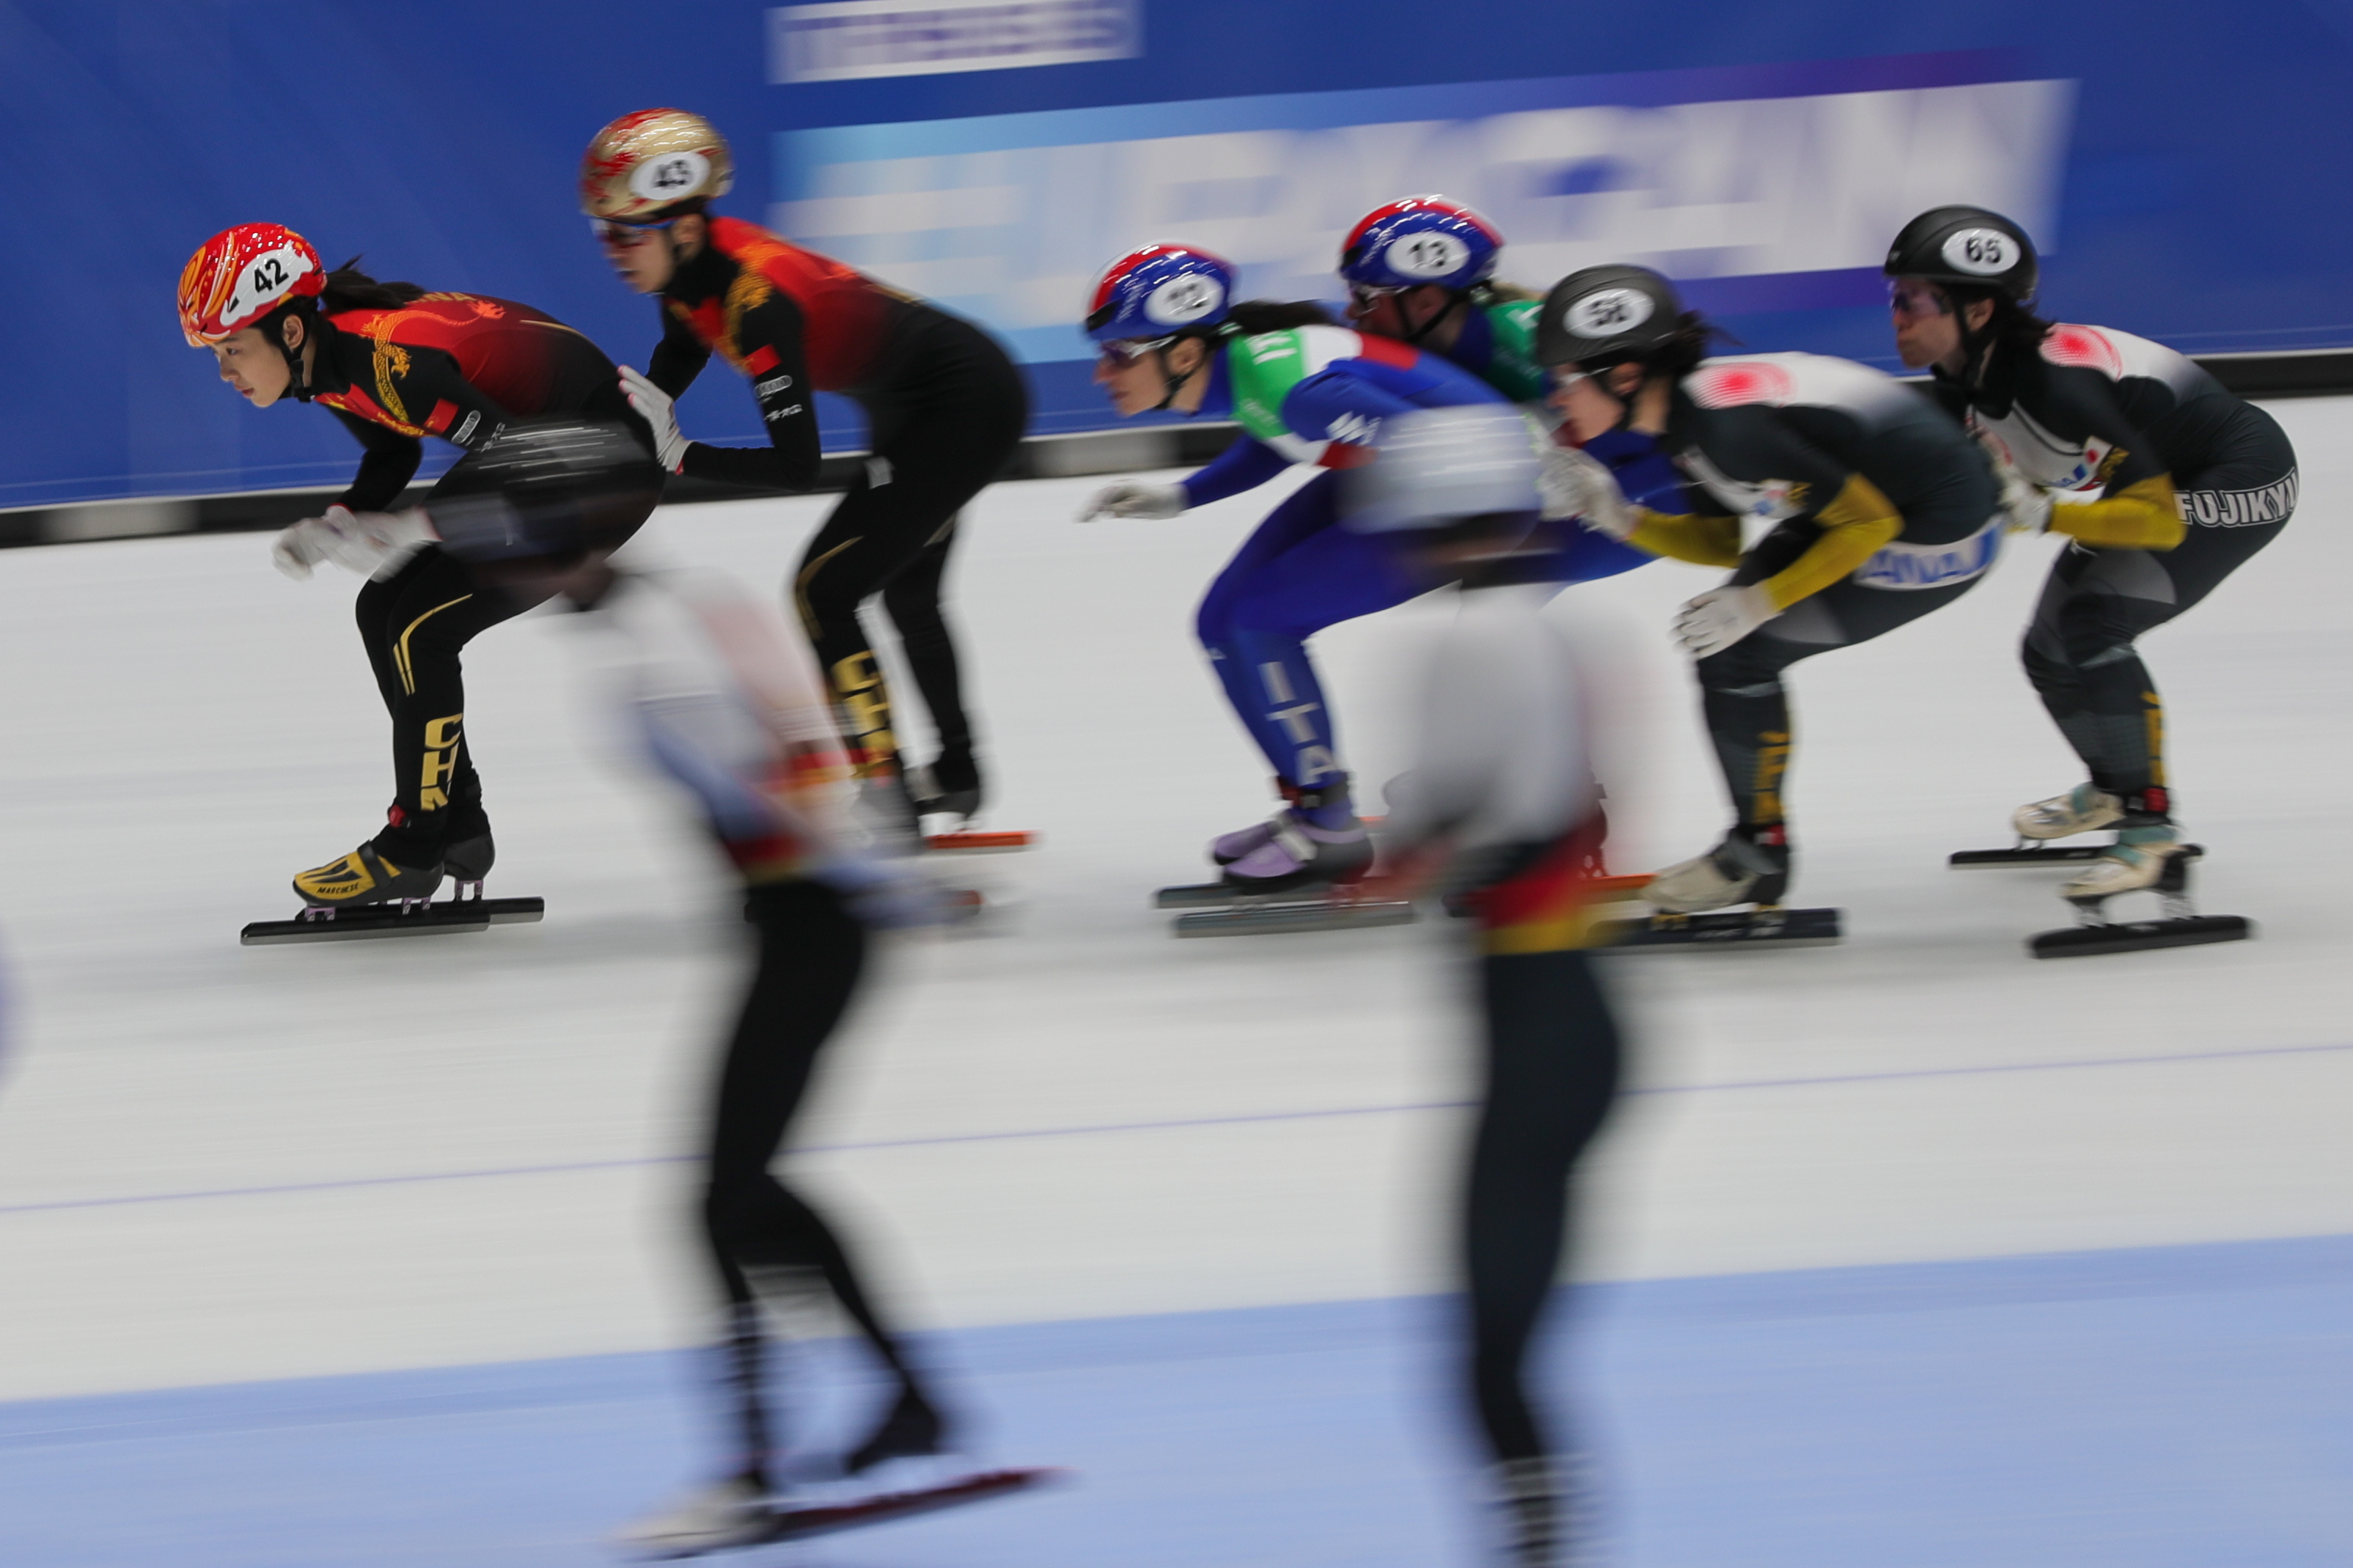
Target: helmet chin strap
1454, 298
1171, 382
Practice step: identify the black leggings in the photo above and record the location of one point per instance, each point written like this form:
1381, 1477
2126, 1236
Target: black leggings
812, 951
1552, 1075
950, 418
2079, 649
413, 624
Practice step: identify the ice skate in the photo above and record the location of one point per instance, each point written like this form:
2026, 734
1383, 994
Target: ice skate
1697, 900
948, 786
1317, 841
2150, 858
729, 1513
1743, 870
2086, 808
364, 894
366, 876
1301, 876
1528, 1514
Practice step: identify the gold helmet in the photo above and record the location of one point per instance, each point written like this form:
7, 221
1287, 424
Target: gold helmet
654, 159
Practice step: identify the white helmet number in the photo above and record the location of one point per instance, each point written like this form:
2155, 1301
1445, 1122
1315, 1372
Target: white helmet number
1607, 311
1981, 252
1183, 300
1431, 255
668, 176
267, 278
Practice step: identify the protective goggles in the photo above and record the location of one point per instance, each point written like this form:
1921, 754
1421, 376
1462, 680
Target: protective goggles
1917, 297
1131, 350
1365, 296
614, 235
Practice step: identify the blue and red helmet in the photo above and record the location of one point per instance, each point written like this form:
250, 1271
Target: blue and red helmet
1159, 291
1421, 239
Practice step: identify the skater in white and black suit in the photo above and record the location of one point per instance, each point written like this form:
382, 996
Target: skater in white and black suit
1878, 510
730, 705
1502, 801
2192, 482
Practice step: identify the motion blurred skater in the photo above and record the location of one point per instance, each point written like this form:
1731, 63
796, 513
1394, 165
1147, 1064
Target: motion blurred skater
395, 364
728, 706
944, 409
1502, 791
1171, 335
2193, 481
1422, 270
1878, 506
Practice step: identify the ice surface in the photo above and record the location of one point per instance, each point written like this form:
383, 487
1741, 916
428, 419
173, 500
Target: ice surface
221, 1165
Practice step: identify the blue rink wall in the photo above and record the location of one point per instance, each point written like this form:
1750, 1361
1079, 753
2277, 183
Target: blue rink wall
2181, 163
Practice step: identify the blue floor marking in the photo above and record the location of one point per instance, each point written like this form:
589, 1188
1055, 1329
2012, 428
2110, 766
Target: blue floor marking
2173, 1407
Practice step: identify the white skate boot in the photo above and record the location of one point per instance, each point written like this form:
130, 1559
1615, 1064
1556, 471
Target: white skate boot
1739, 870
2137, 860
2083, 809
733, 1512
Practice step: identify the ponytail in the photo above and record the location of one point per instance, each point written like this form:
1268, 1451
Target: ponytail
349, 289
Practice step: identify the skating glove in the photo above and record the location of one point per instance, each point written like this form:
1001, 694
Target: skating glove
1577, 484
2027, 503
363, 542
1135, 500
1722, 617
300, 546
654, 405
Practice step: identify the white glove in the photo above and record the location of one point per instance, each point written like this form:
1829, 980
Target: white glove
654, 405
1135, 500
1574, 483
1722, 617
299, 546
2028, 503
359, 541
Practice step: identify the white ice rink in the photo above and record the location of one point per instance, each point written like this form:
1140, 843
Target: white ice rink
222, 1165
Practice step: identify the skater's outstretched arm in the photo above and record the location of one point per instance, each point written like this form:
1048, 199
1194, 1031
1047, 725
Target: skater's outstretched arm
770, 338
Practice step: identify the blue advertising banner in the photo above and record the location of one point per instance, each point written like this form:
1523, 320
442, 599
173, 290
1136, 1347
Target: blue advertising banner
2179, 164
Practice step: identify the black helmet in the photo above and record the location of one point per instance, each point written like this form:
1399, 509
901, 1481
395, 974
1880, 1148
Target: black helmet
1968, 247
545, 488
1607, 315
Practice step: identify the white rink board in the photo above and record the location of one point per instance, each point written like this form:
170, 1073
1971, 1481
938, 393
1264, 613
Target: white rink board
188, 728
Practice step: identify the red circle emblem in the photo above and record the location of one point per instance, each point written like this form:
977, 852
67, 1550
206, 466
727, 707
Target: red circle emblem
1742, 381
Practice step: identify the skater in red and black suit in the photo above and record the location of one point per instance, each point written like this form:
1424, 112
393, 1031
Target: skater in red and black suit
945, 405
395, 364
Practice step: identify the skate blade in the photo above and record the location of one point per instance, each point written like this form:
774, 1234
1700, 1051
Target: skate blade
1195, 896
2136, 936
449, 917
798, 1523
1720, 929
2073, 855
1275, 914
978, 843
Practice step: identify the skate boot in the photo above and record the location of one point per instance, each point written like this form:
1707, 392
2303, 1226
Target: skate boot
1228, 847
366, 876
1544, 1517
949, 787
471, 852
1750, 866
2137, 860
1318, 841
733, 1512
2083, 809
911, 1430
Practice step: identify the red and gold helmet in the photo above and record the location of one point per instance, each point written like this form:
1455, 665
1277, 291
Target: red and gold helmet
654, 159
240, 275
